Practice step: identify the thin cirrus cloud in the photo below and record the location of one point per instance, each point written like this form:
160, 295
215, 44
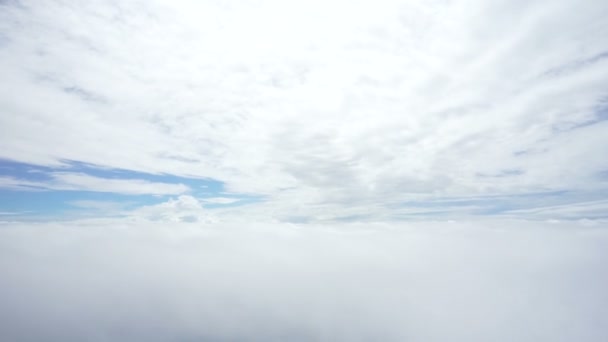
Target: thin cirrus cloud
350, 108
68, 181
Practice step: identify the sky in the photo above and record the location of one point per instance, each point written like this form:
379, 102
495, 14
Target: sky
315, 111
270, 170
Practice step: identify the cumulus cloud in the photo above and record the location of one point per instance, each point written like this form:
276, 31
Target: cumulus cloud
328, 105
435, 281
71, 181
181, 209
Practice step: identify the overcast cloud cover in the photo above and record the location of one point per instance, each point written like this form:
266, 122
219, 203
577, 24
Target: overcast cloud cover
433, 281
273, 170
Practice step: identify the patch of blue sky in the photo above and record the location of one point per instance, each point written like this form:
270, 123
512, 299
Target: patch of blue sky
599, 114
602, 175
34, 200
62, 202
601, 110
576, 65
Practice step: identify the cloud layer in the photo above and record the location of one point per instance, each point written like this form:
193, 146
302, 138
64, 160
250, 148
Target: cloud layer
478, 281
280, 128
344, 107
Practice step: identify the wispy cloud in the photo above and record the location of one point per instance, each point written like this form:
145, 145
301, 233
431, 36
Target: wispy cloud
221, 200
68, 181
589, 210
328, 106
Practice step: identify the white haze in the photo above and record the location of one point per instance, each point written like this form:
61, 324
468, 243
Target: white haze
434, 281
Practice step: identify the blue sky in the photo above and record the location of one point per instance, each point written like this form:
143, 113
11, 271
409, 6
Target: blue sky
34, 191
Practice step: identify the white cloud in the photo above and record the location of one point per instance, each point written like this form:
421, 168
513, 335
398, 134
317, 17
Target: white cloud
220, 200
433, 281
100, 206
181, 209
12, 213
81, 182
326, 105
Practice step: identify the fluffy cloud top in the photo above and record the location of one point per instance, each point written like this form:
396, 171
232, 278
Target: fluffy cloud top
482, 281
